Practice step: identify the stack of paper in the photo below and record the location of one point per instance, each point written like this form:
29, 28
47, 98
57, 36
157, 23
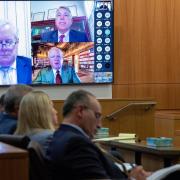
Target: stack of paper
123, 137
127, 137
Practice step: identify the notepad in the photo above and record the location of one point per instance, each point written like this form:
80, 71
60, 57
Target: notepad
122, 136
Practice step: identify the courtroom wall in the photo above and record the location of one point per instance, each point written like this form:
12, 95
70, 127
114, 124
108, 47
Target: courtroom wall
147, 51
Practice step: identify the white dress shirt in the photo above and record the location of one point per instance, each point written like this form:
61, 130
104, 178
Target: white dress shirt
8, 75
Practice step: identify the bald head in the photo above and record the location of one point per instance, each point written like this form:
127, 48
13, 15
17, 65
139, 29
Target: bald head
55, 56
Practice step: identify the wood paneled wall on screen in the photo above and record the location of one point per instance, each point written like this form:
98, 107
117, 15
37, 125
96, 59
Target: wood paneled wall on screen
147, 51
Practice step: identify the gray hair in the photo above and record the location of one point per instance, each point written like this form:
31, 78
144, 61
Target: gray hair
66, 8
79, 97
55, 49
6, 25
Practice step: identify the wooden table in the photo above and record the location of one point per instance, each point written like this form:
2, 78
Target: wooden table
152, 158
13, 163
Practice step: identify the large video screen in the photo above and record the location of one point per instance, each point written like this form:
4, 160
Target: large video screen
71, 43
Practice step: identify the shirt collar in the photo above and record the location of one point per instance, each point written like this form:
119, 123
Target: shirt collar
13, 66
66, 36
54, 71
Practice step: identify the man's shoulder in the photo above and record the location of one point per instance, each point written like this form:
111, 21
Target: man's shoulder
67, 69
49, 36
75, 32
69, 132
77, 36
22, 58
48, 33
5, 116
46, 70
7, 124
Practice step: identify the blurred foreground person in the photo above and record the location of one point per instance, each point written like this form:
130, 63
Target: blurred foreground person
12, 99
72, 154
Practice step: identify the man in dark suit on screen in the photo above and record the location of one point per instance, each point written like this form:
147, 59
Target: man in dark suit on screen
14, 69
64, 33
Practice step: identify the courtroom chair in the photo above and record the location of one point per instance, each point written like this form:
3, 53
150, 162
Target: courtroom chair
15, 140
38, 167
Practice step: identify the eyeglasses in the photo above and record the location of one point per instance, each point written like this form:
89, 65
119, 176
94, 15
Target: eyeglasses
98, 115
66, 15
7, 43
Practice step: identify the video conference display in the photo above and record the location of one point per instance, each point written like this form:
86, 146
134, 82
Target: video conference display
71, 41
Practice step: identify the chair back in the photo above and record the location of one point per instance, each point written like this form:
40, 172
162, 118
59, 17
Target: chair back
38, 164
15, 140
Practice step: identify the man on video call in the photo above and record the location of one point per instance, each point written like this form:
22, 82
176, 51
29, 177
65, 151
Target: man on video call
57, 73
13, 69
64, 33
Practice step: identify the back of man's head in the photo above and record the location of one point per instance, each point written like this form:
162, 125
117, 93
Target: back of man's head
13, 97
79, 97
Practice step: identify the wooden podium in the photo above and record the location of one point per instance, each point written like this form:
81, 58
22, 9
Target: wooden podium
167, 124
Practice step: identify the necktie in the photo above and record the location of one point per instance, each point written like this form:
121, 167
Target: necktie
6, 79
61, 37
58, 78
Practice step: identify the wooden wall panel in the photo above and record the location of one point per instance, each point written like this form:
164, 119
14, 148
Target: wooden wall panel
147, 55
166, 95
137, 119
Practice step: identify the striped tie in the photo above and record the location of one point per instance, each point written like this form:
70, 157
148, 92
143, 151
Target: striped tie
58, 78
61, 37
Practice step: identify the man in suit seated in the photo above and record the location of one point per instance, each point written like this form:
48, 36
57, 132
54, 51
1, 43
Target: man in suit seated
57, 73
12, 99
14, 69
64, 33
72, 154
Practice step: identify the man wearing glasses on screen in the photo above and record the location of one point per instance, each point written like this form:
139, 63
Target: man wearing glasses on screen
64, 33
57, 73
13, 69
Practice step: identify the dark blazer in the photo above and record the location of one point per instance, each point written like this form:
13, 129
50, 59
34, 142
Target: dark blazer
24, 70
72, 155
46, 76
74, 36
8, 123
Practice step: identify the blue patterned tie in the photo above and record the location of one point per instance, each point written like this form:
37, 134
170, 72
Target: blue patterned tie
6, 79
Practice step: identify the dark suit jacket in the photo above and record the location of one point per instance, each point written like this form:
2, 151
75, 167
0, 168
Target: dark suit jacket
72, 155
24, 70
46, 76
74, 36
8, 123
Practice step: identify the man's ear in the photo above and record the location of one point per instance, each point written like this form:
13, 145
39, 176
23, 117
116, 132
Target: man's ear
79, 111
71, 21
